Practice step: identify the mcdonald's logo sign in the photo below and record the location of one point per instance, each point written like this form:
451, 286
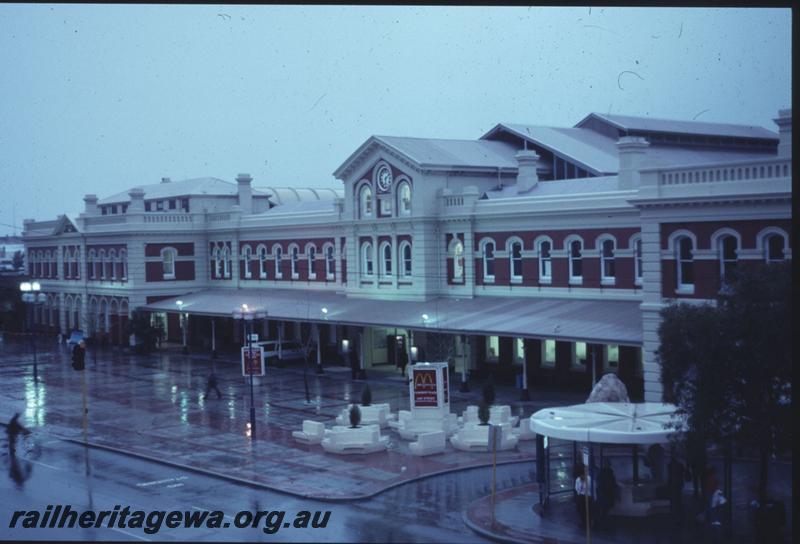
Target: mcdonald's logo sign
424, 377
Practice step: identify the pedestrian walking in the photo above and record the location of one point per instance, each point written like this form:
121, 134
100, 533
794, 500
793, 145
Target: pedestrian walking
716, 514
211, 383
13, 429
79, 355
607, 490
403, 360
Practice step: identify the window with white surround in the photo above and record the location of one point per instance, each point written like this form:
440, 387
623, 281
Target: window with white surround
774, 248
330, 263
311, 257
684, 265
405, 256
728, 247
277, 251
545, 261
112, 259
576, 261
488, 262
294, 256
101, 256
168, 255
607, 264
492, 349
227, 263
92, 264
516, 261
611, 362
579, 357
548, 353
458, 261
247, 256
261, 252
637, 261
365, 201
519, 351
123, 257
404, 198
367, 264
386, 259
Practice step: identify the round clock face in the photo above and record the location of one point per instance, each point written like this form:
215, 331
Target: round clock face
384, 179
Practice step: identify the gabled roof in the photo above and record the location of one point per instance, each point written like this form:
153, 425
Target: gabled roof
698, 128
440, 153
590, 150
186, 187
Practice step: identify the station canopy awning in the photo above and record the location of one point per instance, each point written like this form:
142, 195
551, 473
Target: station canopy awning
607, 422
597, 321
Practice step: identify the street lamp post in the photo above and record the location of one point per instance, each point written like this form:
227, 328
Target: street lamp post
31, 295
247, 316
183, 320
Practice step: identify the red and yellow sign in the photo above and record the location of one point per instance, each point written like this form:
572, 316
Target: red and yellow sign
253, 361
425, 387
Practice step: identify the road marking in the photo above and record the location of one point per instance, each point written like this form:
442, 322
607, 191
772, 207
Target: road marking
210, 510
156, 482
129, 534
44, 464
174, 485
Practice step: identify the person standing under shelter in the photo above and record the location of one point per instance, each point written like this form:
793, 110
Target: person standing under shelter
607, 491
583, 484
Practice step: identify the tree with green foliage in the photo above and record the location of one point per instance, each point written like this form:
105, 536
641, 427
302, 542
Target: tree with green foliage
728, 367
146, 334
366, 396
355, 416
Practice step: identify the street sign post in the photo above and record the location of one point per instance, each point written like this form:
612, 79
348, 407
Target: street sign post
253, 361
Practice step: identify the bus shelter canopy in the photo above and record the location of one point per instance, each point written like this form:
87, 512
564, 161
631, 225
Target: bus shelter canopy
608, 423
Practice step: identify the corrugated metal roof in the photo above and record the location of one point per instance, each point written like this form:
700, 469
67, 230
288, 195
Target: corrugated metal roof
585, 147
186, 187
306, 206
650, 124
600, 184
286, 195
616, 322
457, 153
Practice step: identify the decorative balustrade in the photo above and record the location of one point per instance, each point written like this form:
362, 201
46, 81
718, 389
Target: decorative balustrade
218, 217
722, 172
106, 220
168, 218
450, 201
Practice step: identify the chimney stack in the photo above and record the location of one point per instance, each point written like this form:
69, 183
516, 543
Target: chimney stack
165, 180
784, 122
245, 193
137, 200
90, 204
632, 151
527, 177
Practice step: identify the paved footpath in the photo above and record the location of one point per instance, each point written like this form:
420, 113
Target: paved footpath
153, 407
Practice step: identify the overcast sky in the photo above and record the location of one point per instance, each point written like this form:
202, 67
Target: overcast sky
101, 98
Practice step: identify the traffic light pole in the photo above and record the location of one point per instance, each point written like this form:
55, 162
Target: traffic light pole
85, 407
252, 402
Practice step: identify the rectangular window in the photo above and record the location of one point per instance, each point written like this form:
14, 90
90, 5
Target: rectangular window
114, 209
103, 210
548, 353
159, 205
172, 204
185, 204
612, 357
492, 349
579, 356
147, 206
519, 351
386, 206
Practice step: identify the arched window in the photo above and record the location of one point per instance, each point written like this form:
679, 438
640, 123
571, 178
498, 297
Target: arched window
216, 257
311, 257
404, 198
637, 261
545, 261
330, 263
227, 263
488, 261
576, 261
728, 249
261, 251
168, 255
405, 256
684, 262
386, 259
101, 256
112, 261
607, 265
458, 261
516, 261
277, 251
367, 267
92, 272
67, 260
247, 257
123, 258
294, 254
774, 248
76, 263
365, 201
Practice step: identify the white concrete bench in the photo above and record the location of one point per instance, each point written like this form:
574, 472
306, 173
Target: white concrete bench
429, 443
476, 438
502, 414
312, 433
523, 431
374, 414
346, 440
402, 415
409, 428
469, 415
